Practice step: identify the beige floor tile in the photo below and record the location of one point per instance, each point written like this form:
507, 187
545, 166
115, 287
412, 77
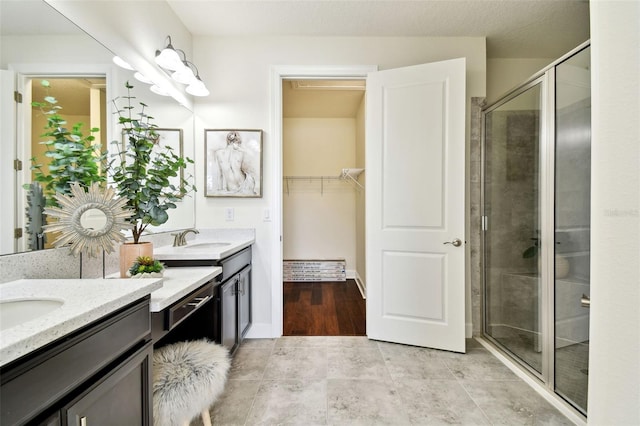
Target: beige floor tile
290, 402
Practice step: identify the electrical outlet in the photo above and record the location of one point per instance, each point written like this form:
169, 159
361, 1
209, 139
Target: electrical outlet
228, 214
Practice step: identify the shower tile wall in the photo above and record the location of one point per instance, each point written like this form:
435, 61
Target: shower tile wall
475, 213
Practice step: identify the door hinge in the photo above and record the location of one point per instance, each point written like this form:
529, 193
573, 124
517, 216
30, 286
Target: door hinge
485, 223
17, 233
17, 165
17, 96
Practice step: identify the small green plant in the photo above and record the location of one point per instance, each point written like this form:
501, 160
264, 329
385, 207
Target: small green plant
73, 156
141, 170
145, 264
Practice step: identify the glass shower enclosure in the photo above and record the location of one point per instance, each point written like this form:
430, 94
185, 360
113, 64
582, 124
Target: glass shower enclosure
536, 225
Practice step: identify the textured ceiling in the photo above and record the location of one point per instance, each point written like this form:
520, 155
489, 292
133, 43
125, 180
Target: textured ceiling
513, 28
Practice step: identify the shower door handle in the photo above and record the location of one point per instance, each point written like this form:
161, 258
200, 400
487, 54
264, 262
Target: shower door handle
585, 301
456, 243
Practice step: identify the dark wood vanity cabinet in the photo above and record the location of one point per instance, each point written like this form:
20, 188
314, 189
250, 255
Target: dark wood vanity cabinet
100, 374
234, 299
226, 318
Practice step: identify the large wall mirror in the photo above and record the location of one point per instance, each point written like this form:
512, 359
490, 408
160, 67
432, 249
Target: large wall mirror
38, 43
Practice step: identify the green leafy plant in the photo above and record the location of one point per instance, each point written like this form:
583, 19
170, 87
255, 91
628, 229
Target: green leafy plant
145, 264
74, 157
141, 170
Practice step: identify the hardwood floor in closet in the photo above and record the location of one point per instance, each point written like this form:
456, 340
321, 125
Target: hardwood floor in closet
323, 309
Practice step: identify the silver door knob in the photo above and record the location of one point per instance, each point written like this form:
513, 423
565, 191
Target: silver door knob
456, 243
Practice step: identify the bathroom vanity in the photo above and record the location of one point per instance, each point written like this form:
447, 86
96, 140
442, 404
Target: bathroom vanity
75, 363
92, 351
224, 313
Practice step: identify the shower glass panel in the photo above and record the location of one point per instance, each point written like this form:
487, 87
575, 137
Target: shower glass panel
512, 223
572, 227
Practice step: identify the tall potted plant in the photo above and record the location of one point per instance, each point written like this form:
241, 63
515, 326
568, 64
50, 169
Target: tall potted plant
146, 174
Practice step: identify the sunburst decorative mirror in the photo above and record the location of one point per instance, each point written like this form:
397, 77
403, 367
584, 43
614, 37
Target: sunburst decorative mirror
89, 221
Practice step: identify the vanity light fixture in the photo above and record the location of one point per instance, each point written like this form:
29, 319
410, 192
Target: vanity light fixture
184, 75
122, 63
168, 58
197, 88
180, 69
158, 90
141, 77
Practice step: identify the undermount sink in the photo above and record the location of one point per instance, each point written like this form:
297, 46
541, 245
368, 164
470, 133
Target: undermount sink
205, 246
16, 312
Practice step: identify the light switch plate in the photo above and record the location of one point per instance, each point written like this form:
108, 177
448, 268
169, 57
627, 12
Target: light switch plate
228, 214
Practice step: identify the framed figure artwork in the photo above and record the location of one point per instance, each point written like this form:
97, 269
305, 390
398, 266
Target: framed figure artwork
233, 163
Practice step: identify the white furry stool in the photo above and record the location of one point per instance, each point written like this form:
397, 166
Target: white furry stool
188, 377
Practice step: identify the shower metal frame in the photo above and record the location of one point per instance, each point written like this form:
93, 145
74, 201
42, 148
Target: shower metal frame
546, 77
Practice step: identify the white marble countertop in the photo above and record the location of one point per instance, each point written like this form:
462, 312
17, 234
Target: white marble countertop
178, 282
85, 300
197, 249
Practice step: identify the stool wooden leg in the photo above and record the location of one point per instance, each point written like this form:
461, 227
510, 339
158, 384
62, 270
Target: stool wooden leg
206, 418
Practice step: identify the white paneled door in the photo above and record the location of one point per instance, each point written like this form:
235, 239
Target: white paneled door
415, 205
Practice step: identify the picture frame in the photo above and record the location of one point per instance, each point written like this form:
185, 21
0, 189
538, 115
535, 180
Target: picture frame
233, 163
166, 138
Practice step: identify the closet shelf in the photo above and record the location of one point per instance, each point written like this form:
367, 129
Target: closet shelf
347, 175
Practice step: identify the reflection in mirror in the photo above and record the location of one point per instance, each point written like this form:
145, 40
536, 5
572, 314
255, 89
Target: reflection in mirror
94, 219
37, 42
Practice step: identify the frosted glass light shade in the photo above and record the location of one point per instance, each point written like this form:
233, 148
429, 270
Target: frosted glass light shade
169, 59
184, 75
122, 63
141, 77
197, 88
158, 90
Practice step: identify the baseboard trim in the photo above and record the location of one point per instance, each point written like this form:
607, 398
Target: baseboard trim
361, 285
260, 331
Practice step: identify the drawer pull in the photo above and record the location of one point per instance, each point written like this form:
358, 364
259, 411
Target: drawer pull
198, 301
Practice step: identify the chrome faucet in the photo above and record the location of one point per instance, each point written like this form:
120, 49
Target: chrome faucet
179, 238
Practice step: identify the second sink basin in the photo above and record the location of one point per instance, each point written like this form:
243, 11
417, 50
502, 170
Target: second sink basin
16, 312
205, 246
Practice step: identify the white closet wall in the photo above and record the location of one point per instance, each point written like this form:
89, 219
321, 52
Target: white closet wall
319, 215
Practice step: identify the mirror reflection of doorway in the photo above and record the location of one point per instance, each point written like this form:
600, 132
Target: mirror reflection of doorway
323, 215
82, 99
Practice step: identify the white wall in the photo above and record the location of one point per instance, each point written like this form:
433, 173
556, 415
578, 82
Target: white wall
614, 356
319, 219
237, 71
504, 74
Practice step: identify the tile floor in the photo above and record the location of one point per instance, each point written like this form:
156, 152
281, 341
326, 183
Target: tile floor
356, 381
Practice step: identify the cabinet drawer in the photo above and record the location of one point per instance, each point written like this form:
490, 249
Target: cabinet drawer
185, 307
118, 398
40, 381
232, 264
